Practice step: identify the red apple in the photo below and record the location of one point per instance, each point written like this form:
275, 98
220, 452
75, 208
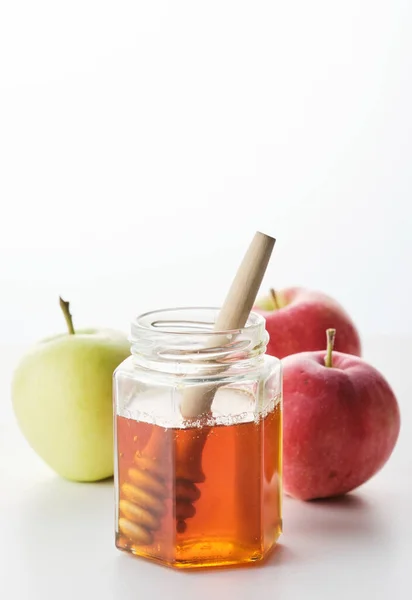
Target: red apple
341, 423
296, 320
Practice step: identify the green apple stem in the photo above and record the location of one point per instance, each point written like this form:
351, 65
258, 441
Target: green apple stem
330, 338
274, 298
69, 319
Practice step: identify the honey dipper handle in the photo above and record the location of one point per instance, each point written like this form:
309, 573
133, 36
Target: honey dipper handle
245, 286
233, 314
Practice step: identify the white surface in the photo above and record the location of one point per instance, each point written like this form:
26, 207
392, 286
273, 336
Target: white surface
56, 537
142, 143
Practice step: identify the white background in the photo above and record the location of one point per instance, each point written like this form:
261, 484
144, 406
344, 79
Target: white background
141, 145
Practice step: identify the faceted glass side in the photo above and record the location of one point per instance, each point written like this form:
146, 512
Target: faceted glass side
203, 493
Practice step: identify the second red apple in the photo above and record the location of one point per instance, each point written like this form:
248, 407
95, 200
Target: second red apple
297, 318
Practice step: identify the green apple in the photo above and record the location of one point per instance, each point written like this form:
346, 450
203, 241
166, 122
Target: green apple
62, 398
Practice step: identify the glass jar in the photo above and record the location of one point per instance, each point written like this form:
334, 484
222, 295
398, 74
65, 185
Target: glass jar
198, 422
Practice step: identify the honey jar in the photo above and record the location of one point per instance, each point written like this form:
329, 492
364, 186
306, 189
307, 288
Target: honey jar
198, 488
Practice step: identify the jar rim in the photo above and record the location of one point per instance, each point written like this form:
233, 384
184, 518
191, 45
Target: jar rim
147, 322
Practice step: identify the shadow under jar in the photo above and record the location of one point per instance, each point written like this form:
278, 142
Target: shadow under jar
205, 490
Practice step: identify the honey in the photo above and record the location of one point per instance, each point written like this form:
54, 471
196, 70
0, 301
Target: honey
198, 424
203, 494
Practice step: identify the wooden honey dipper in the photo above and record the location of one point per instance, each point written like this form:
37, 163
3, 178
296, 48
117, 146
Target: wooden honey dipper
154, 478
144, 496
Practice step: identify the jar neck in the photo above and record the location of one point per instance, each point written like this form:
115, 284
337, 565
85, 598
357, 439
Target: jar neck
183, 341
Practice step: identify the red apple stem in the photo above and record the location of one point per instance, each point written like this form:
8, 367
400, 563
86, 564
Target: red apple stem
274, 298
66, 312
330, 340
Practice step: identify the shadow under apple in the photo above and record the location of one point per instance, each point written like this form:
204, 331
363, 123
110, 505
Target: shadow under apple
58, 513
337, 522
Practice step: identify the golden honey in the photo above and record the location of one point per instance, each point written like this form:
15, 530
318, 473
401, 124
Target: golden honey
219, 504
198, 425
